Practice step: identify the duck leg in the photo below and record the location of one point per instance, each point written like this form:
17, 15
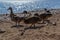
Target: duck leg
34, 25
31, 25
43, 21
16, 24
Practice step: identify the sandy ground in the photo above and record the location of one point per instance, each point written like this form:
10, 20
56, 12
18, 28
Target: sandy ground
41, 32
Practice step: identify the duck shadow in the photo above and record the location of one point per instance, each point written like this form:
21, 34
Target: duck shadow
17, 26
36, 27
2, 32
